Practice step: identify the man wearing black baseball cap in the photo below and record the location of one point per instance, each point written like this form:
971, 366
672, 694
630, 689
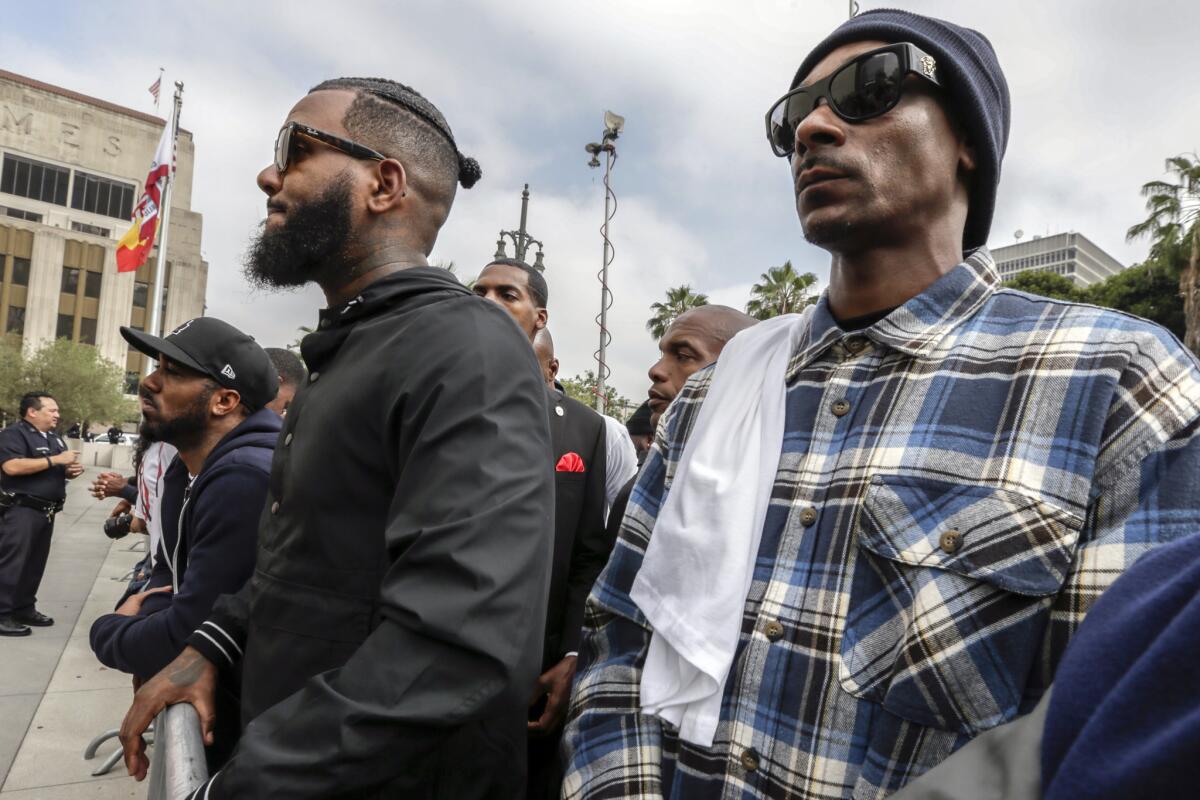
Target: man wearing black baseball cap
207, 397
895, 509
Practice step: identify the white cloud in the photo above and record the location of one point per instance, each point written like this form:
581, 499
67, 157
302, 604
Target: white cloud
1102, 93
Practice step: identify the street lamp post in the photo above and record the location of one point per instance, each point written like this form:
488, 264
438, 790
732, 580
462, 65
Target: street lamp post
613, 125
521, 238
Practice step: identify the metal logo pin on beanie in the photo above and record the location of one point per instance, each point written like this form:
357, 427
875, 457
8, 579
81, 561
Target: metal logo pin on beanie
228, 372
928, 66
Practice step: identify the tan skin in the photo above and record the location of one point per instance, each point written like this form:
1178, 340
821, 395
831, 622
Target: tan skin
899, 180
45, 419
508, 286
394, 228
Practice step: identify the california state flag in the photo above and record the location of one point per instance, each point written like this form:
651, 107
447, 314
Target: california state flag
135, 246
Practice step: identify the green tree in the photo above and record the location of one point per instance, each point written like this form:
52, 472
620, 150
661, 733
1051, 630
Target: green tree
1047, 284
1148, 290
304, 331
12, 382
1173, 224
583, 388
782, 291
86, 386
679, 300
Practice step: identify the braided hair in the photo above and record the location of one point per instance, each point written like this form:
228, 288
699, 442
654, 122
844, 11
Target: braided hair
373, 120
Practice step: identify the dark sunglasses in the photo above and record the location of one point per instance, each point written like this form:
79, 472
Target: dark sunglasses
283, 144
864, 87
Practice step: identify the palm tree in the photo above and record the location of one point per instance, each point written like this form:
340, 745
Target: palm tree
679, 300
782, 291
1174, 218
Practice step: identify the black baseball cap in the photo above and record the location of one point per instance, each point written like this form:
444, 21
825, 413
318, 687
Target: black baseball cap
220, 351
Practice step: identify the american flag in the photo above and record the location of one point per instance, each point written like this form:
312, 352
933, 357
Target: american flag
154, 87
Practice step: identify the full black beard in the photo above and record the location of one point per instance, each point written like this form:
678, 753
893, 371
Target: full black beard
185, 430
311, 245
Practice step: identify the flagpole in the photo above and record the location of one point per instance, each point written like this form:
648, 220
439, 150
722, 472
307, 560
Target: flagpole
156, 314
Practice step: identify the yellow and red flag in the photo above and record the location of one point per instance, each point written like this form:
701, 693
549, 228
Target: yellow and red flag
135, 246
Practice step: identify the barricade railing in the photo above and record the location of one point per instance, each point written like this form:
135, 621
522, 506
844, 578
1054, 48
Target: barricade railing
177, 763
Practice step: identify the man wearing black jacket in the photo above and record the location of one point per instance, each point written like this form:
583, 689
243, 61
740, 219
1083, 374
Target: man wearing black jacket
207, 397
581, 545
389, 635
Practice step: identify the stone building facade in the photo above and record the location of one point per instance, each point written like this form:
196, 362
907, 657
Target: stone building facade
71, 170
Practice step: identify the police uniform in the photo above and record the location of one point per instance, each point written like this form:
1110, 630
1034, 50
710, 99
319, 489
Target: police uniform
27, 508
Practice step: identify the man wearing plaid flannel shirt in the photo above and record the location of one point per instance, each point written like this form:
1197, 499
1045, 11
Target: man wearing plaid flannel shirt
964, 468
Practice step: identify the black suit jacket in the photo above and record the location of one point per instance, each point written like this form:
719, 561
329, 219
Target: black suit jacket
581, 544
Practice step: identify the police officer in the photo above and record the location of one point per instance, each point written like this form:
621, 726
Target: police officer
35, 465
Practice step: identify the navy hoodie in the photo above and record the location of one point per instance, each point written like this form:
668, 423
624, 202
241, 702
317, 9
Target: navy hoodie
1124, 718
219, 518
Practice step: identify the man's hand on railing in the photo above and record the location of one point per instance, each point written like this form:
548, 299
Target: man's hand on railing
190, 678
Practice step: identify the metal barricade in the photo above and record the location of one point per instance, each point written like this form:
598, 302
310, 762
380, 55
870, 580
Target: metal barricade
177, 763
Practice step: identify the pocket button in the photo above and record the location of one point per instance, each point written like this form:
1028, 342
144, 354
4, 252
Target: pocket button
749, 760
951, 541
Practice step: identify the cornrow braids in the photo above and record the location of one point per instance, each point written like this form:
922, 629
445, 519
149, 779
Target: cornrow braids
469, 171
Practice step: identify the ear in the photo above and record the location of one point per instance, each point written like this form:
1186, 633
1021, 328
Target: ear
388, 186
224, 402
540, 322
967, 160
553, 367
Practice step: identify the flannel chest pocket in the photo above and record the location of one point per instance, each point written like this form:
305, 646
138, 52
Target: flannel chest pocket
950, 595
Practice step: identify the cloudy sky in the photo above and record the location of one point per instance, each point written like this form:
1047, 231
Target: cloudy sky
1103, 92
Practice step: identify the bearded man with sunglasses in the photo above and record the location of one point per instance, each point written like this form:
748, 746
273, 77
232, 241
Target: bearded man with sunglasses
868, 532
389, 635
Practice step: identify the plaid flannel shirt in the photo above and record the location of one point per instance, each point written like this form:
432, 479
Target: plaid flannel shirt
957, 485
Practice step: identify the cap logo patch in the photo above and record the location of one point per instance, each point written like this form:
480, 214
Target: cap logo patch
928, 66
182, 328
228, 372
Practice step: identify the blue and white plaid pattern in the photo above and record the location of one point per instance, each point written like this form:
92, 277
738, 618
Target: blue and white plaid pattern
957, 485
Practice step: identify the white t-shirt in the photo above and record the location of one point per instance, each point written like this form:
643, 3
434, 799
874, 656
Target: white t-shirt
157, 458
620, 458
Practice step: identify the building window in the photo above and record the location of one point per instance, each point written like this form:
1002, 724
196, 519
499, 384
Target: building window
95, 230
141, 294
20, 273
102, 196
16, 321
66, 326
87, 330
20, 213
91, 286
70, 280
25, 177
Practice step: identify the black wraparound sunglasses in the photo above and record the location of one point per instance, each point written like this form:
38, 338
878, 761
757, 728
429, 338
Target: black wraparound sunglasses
864, 87
283, 144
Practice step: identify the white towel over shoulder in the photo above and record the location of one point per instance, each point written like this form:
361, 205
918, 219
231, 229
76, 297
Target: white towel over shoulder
697, 570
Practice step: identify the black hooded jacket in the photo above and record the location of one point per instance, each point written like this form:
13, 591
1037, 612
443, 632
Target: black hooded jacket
393, 627
215, 555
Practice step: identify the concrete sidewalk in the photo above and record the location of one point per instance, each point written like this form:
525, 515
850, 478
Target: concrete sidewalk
54, 695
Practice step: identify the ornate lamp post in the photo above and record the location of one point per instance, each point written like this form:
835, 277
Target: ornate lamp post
613, 125
521, 238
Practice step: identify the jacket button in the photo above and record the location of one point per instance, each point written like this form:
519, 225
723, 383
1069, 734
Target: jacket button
312, 378
324, 324
287, 440
773, 630
808, 516
275, 507
840, 408
749, 759
951, 541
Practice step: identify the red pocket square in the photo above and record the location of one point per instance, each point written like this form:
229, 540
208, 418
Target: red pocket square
570, 462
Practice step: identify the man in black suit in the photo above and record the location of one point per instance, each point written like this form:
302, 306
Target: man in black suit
581, 544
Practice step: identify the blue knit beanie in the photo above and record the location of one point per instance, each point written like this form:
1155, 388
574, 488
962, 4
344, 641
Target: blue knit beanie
970, 73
